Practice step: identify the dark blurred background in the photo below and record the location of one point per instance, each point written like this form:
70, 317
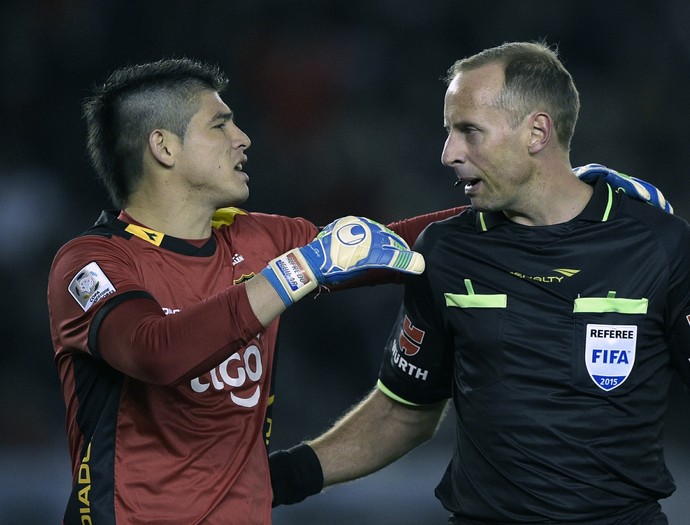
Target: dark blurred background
343, 103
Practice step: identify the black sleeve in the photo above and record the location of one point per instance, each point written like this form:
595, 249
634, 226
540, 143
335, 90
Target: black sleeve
417, 363
680, 346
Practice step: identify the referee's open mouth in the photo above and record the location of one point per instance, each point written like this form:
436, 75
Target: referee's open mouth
469, 184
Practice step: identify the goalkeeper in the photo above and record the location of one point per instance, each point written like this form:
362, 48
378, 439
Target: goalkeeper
164, 314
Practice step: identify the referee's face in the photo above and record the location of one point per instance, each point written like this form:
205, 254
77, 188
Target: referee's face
490, 156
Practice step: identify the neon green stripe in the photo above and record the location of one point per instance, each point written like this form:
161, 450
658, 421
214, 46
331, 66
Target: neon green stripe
610, 304
472, 300
481, 221
383, 388
608, 205
477, 300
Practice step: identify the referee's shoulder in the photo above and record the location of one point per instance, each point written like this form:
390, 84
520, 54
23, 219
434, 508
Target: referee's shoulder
467, 216
466, 219
647, 213
668, 228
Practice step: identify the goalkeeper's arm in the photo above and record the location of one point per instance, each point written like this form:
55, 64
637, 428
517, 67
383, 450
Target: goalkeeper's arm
345, 249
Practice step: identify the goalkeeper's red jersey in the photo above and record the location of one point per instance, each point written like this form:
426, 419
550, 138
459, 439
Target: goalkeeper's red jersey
178, 436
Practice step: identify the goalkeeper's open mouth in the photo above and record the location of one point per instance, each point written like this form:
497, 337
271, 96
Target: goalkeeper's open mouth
240, 165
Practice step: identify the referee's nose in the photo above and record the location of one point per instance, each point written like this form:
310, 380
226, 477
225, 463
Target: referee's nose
453, 150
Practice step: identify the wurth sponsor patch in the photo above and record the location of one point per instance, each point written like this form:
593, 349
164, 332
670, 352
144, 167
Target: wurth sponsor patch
411, 338
90, 285
610, 354
406, 345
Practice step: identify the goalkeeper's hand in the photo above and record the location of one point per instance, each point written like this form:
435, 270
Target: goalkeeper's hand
636, 188
344, 249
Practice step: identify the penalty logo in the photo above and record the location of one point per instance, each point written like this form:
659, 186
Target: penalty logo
610, 354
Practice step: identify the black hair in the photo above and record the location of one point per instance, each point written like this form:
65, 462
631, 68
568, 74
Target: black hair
135, 100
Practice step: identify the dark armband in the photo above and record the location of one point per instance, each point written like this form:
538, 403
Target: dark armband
295, 474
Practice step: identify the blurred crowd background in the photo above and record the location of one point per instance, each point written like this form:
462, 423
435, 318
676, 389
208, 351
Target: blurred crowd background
343, 103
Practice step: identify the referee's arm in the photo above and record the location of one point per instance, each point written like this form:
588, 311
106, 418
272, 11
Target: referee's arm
680, 346
372, 435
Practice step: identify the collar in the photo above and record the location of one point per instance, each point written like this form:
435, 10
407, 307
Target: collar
598, 209
110, 223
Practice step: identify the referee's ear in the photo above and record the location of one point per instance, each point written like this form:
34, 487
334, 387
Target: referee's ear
541, 131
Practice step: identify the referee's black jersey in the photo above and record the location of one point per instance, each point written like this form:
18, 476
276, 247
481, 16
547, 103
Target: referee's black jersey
557, 345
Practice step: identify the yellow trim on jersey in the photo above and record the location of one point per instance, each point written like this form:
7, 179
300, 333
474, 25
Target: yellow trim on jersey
609, 205
482, 221
225, 216
472, 300
244, 277
383, 388
149, 235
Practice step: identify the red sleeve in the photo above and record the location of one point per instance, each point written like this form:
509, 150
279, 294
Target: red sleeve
409, 229
286, 233
138, 339
122, 323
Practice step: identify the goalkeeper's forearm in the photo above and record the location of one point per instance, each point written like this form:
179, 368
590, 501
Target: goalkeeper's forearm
264, 300
291, 276
345, 249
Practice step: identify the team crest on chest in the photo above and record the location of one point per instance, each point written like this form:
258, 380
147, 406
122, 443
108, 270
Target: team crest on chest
243, 278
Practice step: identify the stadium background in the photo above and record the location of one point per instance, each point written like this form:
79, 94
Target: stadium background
343, 103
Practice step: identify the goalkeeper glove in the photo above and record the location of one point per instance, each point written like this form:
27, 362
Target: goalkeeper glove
636, 188
344, 249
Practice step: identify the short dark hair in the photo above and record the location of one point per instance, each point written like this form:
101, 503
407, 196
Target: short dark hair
134, 101
535, 79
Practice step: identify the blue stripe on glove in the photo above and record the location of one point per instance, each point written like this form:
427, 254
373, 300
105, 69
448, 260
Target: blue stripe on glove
634, 187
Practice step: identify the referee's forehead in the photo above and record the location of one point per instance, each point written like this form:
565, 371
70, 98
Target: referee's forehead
471, 92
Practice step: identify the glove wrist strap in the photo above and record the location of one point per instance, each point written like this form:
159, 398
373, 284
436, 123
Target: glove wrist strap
291, 276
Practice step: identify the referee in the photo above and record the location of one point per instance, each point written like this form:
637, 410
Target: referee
552, 313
